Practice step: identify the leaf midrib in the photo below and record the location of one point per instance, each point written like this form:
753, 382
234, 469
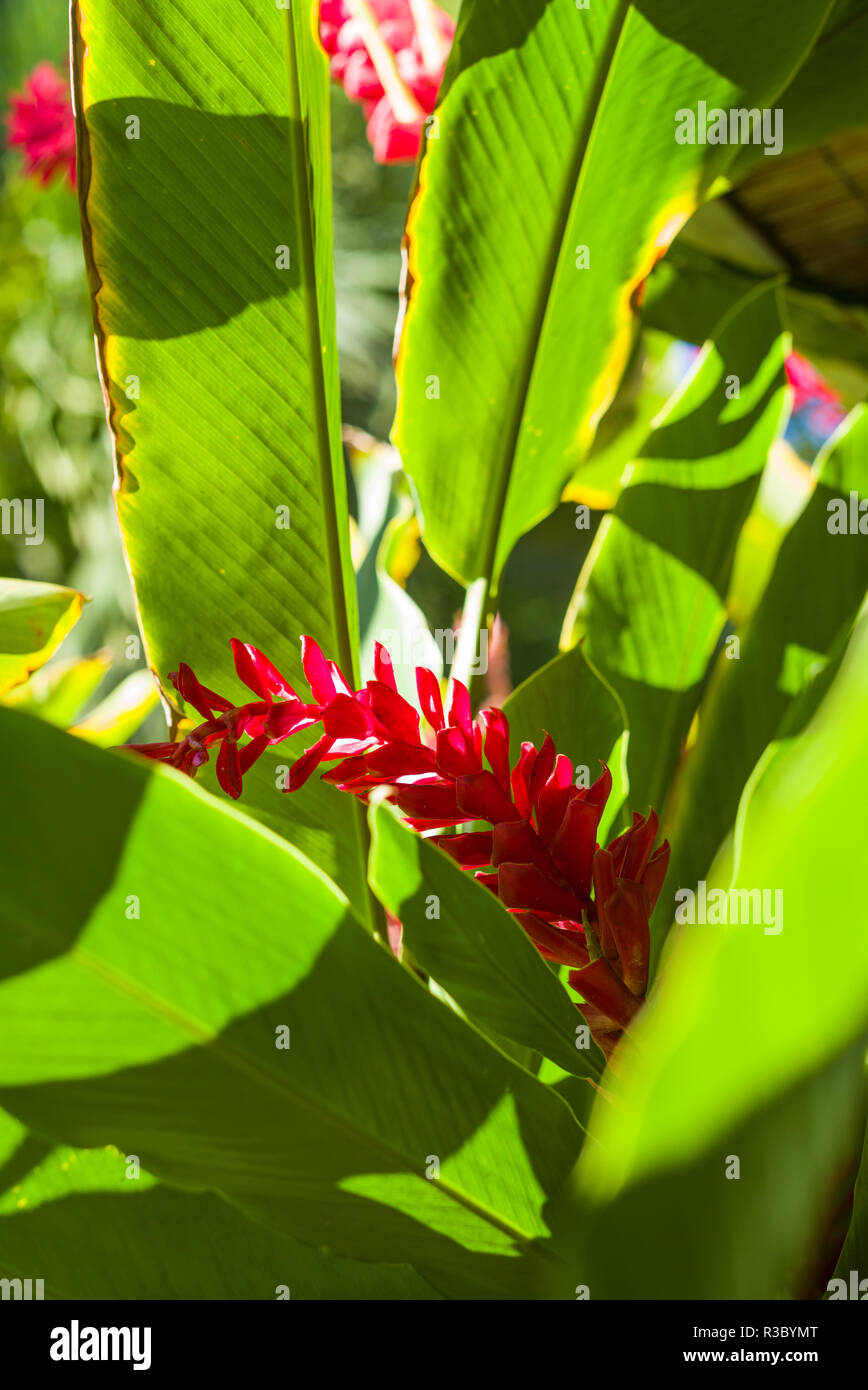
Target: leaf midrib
300, 160
497, 508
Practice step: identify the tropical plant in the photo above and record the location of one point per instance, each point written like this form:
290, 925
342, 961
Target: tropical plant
378, 975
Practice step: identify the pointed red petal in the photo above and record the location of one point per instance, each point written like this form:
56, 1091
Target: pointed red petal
436, 802
396, 715
598, 793
160, 752
521, 778
251, 751
347, 771
250, 719
572, 847
459, 708
655, 873
564, 947
341, 684
516, 842
203, 700
619, 846
471, 851
605, 883
395, 760
639, 848
496, 727
316, 671
627, 912
288, 717
430, 699
524, 885
304, 766
599, 984
229, 768
542, 768
455, 754
551, 803
344, 717
477, 744
482, 797
383, 670
258, 674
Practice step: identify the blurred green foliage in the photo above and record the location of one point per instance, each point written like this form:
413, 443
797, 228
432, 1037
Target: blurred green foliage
53, 439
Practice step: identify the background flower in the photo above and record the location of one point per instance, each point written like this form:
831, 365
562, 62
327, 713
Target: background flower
41, 124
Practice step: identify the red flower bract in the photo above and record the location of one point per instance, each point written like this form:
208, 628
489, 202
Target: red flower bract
41, 124
389, 57
581, 905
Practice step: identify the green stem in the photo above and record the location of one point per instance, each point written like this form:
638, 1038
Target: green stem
474, 620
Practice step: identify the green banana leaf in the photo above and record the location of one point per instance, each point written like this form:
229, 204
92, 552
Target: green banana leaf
650, 600
72, 1217
752, 1048
201, 996
34, 619
204, 179
827, 93
813, 596
459, 933
540, 209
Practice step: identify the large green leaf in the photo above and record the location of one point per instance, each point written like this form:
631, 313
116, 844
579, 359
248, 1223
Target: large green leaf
34, 619
148, 976
752, 1046
827, 94
92, 1225
813, 596
462, 936
511, 347
650, 599
204, 150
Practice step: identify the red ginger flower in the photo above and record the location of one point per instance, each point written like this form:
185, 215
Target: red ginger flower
388, 55
41, 123
581, 905
813, 394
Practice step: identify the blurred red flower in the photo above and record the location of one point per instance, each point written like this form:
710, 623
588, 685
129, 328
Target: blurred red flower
389, 56
41, 124
813, 394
